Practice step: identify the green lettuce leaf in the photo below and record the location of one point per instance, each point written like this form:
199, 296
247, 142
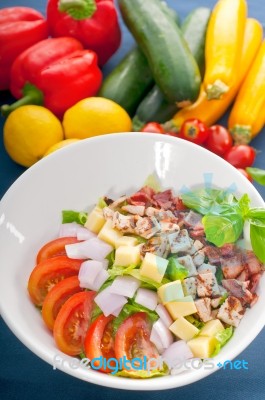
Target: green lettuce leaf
198, 324
143, 374
118, 270
152, 181
175, 271
147, 282
223, 337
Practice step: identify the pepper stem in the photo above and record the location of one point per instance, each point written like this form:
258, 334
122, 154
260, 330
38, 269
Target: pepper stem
31, 95
78, 9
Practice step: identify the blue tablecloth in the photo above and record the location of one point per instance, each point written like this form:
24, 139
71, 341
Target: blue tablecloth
23, 375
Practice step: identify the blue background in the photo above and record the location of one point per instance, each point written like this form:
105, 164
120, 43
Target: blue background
23, 375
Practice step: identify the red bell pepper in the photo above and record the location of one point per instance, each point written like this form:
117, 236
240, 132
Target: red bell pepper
93, 22
20, 28
56, 73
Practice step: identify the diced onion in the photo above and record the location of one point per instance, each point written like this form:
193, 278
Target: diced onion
92, 274
109, 302
93, 248
147, 298
117, 312
125, 286
164, 333
155, 339
69, 229
164, 315
84, 233
177, 353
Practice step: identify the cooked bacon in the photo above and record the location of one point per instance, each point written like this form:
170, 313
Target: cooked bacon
228, 250
232, 266
252, 263
193, 221
143, 197
177, 204
197, 234
163, 199
213, 254
254, 281
244, 276
238, 289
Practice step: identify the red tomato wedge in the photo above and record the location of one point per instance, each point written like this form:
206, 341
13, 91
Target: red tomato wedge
56, 297
55, 248
132, 339
72, 323
49, 272
99, 342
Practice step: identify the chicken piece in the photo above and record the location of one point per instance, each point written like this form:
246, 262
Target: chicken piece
151, 211
213, 254
187, 262
231, 311
147, 227
193, 221
205, 268
157, 245
207, 285
204, 309
124, 223
254, 281
168, 227
189, 287
108, 213
198, 245
232, 266
118, 202
198, 258
136, 210
180, 242
216, 302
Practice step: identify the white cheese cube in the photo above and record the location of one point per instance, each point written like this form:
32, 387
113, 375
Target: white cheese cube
181, 307
202, 346
126, 241
170, 292
211, 328
95, 220
153, 267
183, 329
109, 234
127, 255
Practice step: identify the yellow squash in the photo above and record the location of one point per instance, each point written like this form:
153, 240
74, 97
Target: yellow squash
247, 116
224, 40
209, 111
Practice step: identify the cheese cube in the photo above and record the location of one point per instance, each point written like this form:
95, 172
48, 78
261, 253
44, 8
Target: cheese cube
211, 328
109, 234
170, 292
126, 241
202, 346
126, 255
95, 220
181, 307
153, 267
183, 329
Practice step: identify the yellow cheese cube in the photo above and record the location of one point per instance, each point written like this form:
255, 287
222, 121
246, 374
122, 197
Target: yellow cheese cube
181, 307
202, 346
126, 241
108, 234
183, 329
170, 292
126, 255
95, 220
153, 267
211, 328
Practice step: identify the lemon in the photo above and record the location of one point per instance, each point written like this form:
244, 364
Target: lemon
59, 145
95, 116
29, 132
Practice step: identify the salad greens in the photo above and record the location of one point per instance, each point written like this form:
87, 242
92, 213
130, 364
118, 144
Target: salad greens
175, 270
153, 373
225, 215
74, 216
223, 337
147, 282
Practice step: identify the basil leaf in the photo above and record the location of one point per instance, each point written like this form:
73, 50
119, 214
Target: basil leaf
243, 204
257, 174
257, 237
223, 229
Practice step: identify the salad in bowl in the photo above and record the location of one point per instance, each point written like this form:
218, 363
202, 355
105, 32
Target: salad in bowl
128, 282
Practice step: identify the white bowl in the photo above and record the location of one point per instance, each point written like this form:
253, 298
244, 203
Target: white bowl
74, 178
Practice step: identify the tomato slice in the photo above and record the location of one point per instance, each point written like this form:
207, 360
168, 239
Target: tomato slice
132, 339
55, 248
56, 297
49, 272
99, 342
73, 321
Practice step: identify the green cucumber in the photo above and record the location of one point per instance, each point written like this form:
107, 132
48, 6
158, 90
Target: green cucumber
154, 107
129, 82
170, 60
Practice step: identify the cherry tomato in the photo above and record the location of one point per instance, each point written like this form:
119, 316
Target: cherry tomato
194, 131
73, 321
133, 339
241, 156
56, 297
99, 341
55, 248
153, 127
219, 140
245, 173
49, 272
